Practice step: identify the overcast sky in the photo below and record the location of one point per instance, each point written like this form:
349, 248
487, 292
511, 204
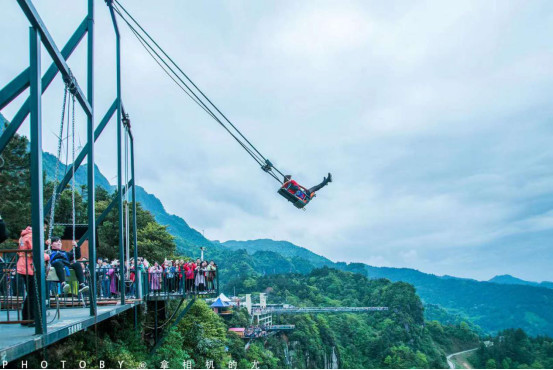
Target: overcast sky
435, 119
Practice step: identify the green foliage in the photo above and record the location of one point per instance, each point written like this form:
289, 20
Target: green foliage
513, 349
154, 242
15, 179
453, 338
203, 335
283, 248
491, 306
172, 350
113, 341
396, 338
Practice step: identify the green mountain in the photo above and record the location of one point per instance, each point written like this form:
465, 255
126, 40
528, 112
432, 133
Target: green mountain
49, 167
185, 236
282, 247
397, 338
508, 279
491, 306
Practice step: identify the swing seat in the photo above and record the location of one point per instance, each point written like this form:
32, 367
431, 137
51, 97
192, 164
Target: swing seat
52, 275
290, 196
71, 280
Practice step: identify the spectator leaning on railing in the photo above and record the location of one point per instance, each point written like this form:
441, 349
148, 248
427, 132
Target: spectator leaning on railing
172, 276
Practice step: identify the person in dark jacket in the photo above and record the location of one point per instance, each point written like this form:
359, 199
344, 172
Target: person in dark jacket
62, 261
3, 232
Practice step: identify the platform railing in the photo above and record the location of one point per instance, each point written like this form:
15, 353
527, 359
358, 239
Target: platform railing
12, 288
108, 283
203, 282
153, 284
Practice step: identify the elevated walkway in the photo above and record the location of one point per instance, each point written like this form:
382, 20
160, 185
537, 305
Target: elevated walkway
304, 310
281, 327
17, 341
166, 296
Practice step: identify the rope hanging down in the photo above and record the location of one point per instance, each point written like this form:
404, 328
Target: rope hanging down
69, 105
181, 79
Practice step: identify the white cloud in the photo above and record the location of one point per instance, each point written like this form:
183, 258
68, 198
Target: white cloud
434, 119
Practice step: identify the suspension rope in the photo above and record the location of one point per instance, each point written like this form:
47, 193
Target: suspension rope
186, 76
265, 164
166, 321
186, 88
54, 195
73, 216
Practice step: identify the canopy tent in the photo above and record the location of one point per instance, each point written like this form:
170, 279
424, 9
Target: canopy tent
224, 298
219, 304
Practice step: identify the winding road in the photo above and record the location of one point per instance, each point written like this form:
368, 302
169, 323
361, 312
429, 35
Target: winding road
448, 358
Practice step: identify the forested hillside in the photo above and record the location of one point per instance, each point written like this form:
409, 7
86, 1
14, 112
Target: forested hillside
282, 247
399, 338
491, 306
513, 349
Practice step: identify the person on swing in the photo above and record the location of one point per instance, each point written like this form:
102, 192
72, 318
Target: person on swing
62, 261
302, 192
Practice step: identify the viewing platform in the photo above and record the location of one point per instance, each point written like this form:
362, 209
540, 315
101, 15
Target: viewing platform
17, 340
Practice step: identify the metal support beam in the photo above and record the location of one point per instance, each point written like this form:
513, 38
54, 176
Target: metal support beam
37, 219
82, 155
33, 17
217, 277
13, 89
102, 217
119, 138
91, 138
175, 323
5, 94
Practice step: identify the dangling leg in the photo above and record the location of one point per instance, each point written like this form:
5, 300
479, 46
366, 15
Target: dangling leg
80, 276
60, 271
325, 182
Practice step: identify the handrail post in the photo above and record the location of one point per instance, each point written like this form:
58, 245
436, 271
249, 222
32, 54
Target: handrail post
37, 217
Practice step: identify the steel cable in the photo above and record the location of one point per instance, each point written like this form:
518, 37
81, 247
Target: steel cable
258, 157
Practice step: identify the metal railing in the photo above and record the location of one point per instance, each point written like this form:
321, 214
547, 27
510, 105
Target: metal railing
168, 282
12, 288
18, 290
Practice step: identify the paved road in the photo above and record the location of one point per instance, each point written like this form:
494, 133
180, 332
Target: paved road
448, 358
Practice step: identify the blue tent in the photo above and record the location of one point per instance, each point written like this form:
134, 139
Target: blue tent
219, 304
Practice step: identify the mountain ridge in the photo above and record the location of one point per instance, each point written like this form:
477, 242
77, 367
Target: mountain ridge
509, 279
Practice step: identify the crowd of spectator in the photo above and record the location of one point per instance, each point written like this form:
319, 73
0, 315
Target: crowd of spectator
255, 331
171, 276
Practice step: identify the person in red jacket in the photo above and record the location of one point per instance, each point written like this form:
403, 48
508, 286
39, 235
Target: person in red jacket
26, 271
189, 268
302, 192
